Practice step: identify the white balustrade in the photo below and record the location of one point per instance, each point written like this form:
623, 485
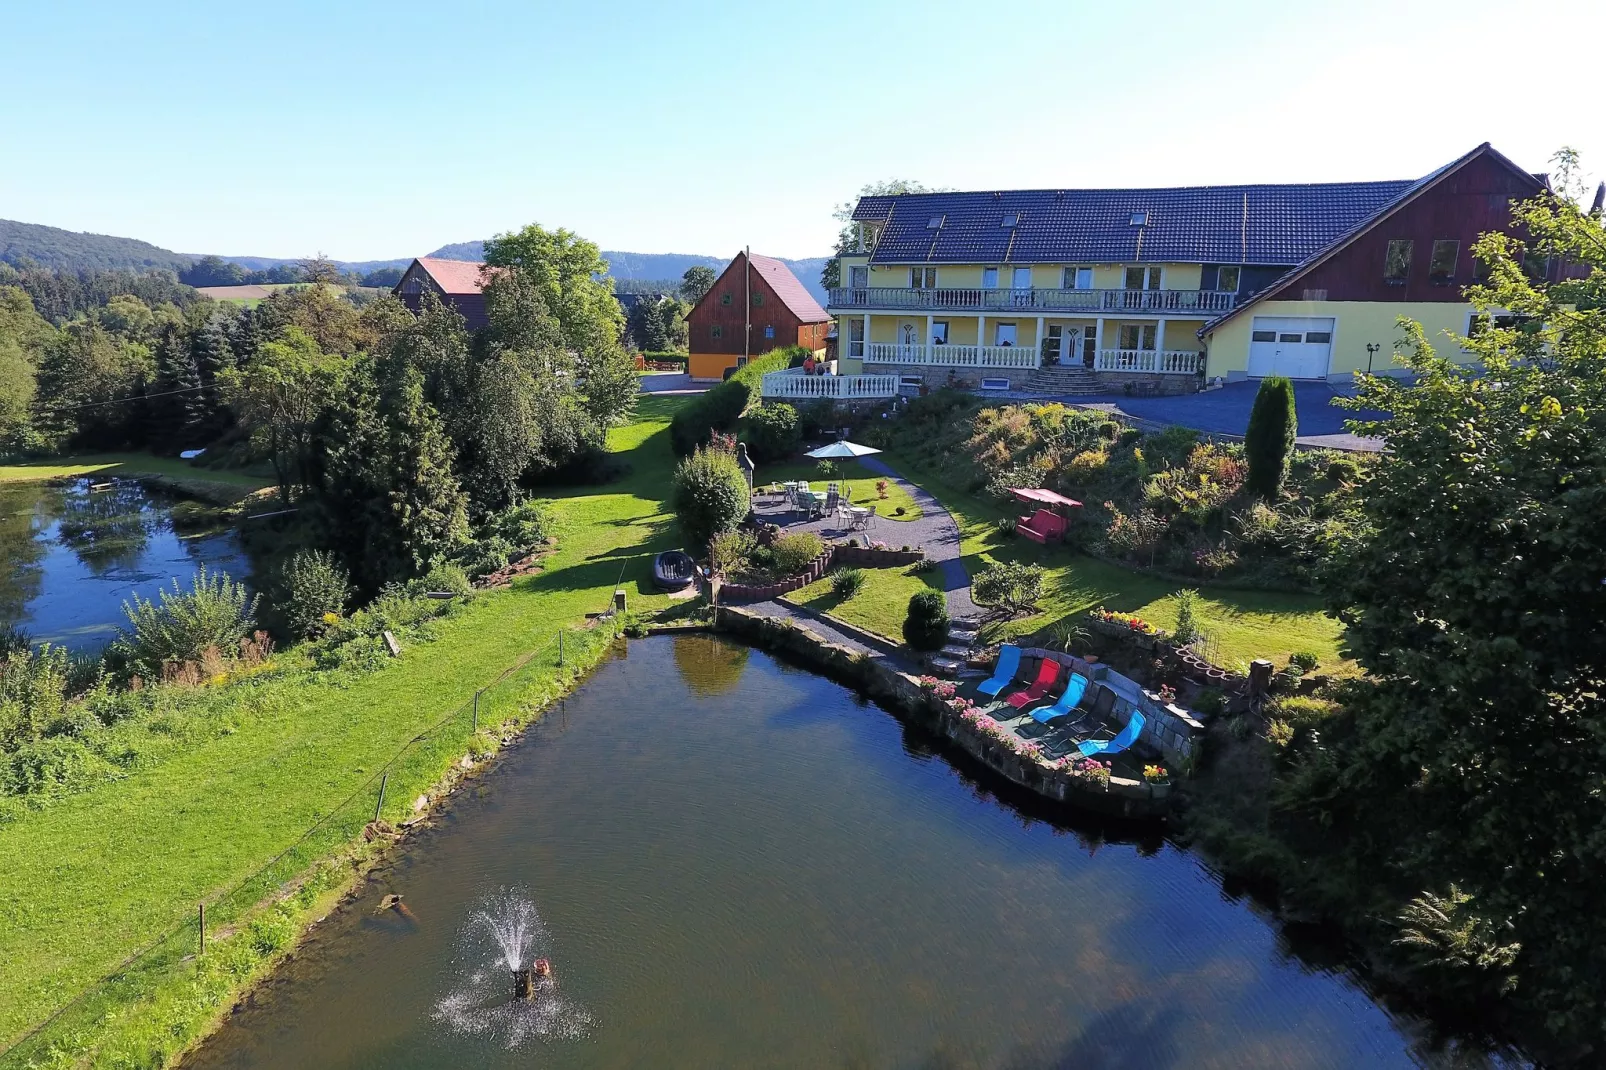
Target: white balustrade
786, 385
1157, 361
950, 299
954, 356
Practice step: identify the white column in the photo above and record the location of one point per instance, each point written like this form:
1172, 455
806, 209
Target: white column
981, 331
864, 351
930, 320
1098, 341
1159, 336
1040, 338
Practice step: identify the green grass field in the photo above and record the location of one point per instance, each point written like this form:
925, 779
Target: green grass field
94, 876
879, 606
1241, 624
125, 464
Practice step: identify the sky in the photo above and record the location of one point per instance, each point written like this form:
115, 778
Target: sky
375, 131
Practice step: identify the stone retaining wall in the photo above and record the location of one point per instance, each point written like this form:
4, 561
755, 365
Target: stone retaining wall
1173, 731
901, 692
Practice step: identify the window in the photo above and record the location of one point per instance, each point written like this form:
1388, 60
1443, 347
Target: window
1078, 278
769, 332
1010, 220
1227, 278
1482, 322
741, 362
716, 331
1137, 336
1090, 347
1052, 342
1319, 337
1021, 278
1003, 334
923, 278
1139, 219
934, 222
1397, 261
1441, 269
1263, 336
1290, 336
725, 298
911, 380
1143, 278
989, 278
994, 384
758, 299
856, 338
939, 333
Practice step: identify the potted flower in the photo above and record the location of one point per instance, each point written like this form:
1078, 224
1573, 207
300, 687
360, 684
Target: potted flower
1168, 694
1158, 777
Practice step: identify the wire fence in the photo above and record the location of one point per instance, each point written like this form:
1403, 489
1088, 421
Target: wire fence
389, 793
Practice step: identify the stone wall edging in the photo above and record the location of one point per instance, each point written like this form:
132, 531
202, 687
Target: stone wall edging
902, 692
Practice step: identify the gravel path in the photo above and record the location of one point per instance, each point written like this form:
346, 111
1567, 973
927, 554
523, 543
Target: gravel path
938, 534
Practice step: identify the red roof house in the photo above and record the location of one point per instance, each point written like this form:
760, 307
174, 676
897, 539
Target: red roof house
748, 312
458, 283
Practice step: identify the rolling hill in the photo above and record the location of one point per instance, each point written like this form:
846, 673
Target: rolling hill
66, 250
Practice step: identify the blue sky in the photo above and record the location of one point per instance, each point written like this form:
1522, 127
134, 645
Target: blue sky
370, 131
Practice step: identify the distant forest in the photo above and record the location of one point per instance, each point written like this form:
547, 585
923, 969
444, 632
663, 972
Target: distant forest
25, 245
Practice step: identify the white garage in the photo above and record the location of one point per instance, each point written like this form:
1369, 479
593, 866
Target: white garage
1295, 346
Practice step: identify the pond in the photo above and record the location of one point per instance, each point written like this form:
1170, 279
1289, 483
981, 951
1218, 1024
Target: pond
72, 555
732, 862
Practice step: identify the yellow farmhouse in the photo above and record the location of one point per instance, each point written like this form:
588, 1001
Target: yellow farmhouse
1088, 291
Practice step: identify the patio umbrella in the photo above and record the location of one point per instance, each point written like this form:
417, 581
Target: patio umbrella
843, 450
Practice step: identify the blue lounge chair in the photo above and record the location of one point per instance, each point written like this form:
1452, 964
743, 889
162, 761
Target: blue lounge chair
1008, 664
1124, 739
1075, 688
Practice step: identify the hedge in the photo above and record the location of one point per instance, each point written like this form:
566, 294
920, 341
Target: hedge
721, 408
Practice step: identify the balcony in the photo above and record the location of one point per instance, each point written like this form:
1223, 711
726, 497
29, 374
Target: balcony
786, 385
950, 356
1038, 301
1156, 361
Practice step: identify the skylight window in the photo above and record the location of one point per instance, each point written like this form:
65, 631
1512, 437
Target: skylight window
1010, 220
1140, 219
935, 222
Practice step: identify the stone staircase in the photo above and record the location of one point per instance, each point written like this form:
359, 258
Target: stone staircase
1063, 379
962, 643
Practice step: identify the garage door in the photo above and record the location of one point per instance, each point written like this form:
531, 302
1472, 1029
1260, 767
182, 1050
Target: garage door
1298, 347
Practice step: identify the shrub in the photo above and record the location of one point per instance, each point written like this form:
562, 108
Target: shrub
721, 408
817, 417
847, 583
1010, 585
731, 552
214, 615
314, 584
1343, 470
1270, 436
1109, 430
881, 489
898, 510
925, 627
1279, 733
796, 552
1187, 629
709, 495
771, 433
1305, 660
524, 526
1211, 702
1170, 448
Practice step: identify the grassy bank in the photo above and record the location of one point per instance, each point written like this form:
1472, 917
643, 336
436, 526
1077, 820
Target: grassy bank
112, 465
96, 876
880, 605
1242, 624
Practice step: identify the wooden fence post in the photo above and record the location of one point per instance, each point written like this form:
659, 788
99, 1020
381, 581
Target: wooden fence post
383, 780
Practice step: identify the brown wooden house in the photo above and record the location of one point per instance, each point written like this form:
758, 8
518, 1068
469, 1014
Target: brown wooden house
757, 305
458, 283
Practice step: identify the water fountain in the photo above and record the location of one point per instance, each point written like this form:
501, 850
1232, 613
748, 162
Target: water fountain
480, 1004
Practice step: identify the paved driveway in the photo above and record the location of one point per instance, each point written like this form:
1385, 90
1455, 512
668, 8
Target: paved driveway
1226, 412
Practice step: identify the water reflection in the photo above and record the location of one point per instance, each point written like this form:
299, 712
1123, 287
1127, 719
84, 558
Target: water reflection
709, 666
70, 556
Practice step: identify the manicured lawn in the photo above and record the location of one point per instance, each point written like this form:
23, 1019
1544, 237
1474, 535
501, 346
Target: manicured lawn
881, 603
861, 486
96, 875
1241, 625
124, 464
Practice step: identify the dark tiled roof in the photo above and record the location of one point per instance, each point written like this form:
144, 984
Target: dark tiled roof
1199, 224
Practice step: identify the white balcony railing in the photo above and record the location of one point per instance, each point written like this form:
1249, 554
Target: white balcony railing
1035, 300
1160, 361
953, 356
840, 387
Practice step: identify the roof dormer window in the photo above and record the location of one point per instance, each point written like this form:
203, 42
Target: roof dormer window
1140, 219
1010, 220
935, 222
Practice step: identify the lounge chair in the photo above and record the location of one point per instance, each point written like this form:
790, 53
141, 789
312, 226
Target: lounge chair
1075, 688
1008, 665
1047, 672
1057, 742
1123, 739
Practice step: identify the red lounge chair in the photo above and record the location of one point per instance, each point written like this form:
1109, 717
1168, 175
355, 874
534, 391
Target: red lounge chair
1042, 526
1047, 673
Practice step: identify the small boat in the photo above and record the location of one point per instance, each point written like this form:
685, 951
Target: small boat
673, 570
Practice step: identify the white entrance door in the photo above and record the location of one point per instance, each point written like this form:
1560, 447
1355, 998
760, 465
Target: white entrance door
1295, 346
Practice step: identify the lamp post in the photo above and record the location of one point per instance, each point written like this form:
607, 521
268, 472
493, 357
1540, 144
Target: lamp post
1371, 350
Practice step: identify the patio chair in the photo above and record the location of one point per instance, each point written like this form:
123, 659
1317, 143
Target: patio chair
833, 500
1123, 739
1075, 688
1004, 674
1047, 672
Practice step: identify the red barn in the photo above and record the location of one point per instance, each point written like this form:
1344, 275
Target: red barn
755, 306
458, 283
